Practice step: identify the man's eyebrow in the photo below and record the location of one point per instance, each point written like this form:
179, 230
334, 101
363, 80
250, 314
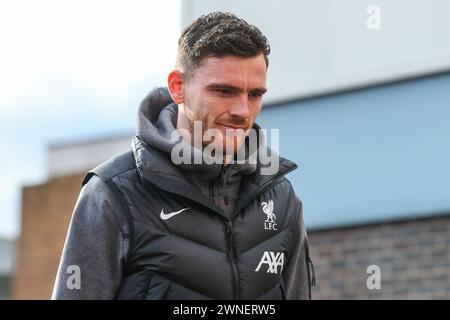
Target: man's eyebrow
223, 86
260, 90
213, 86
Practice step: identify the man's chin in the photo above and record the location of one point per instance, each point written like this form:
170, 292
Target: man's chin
225, 150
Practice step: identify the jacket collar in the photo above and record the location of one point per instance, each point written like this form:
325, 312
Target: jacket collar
156, 167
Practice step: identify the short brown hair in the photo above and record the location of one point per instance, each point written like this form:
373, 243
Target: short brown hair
219, 34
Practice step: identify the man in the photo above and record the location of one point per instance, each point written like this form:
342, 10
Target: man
149, 226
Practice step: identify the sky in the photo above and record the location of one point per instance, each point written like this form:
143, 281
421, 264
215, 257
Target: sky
73, 70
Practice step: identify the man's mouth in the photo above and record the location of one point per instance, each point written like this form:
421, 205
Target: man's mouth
231, 126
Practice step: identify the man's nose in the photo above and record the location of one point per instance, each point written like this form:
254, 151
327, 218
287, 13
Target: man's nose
240, 109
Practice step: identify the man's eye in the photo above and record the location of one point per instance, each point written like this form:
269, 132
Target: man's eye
224, 91
256, 95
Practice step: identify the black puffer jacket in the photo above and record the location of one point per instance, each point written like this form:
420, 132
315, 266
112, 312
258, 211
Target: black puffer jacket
180, 242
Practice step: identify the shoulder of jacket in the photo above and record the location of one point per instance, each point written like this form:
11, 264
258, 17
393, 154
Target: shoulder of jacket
283, 182
112, 167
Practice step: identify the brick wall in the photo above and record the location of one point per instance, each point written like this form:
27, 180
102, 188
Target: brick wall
46, 213
413, 256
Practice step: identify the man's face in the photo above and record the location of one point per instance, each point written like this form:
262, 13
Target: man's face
226, 94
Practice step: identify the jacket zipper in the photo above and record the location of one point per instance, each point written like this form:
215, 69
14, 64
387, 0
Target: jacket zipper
230, 256
211, 192
232, 260
311, 280
222, 177
224, 182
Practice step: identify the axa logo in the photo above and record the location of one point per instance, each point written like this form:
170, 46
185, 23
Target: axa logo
269, 223
273, 261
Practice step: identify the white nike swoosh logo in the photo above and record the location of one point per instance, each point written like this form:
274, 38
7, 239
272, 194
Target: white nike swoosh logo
165, 216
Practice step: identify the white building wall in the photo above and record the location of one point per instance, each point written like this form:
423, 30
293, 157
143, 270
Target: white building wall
73, 158
325, 46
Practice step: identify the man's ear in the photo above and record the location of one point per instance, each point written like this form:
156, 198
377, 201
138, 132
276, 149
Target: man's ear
175, 83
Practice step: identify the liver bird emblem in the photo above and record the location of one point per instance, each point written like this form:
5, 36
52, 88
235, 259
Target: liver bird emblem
267, 208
